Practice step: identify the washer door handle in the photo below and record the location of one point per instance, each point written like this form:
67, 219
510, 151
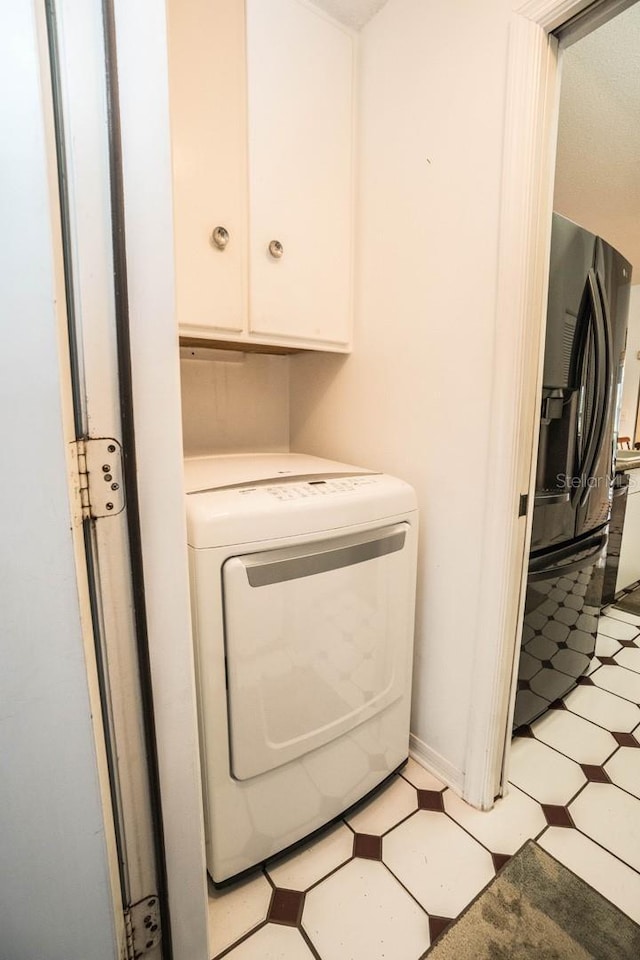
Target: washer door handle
322, 557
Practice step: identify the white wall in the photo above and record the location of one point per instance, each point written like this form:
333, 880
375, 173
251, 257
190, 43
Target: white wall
631, 381
414, 398
235, 405
56, 898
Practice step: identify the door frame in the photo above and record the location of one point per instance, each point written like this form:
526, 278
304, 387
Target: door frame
524, 238
97, 177
531, 127
81, 162
142, 91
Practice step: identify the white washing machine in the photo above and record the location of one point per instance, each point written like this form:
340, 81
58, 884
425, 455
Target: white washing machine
303, 593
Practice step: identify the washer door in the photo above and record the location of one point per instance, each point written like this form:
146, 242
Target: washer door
318, 639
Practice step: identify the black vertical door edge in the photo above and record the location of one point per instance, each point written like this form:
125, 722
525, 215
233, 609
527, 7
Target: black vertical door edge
129, 456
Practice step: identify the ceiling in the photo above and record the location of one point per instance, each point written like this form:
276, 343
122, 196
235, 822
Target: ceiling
355, 13
598, 157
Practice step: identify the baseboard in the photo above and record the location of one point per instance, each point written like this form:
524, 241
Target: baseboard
436, 764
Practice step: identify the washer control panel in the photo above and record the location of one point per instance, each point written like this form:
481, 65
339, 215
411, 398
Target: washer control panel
274, 508
302, 490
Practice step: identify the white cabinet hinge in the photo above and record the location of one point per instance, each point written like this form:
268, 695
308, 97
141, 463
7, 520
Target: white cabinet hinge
142, 924
97, 477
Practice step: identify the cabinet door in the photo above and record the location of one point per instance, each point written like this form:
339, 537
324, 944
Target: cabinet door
629, 565
206, 42
300, 130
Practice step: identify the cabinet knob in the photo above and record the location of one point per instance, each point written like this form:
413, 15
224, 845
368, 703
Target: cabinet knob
276, 249
220, 237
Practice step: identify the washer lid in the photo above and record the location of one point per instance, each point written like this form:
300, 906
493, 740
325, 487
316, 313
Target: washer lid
230, 470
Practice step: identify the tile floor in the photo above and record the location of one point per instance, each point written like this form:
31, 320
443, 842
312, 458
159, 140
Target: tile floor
385, 882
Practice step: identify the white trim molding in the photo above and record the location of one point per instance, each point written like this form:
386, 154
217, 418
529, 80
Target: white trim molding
548, 15
436, 764
533, 85
146, 162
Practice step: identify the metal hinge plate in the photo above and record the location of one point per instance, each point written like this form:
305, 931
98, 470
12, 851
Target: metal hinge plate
98, 477
142, 922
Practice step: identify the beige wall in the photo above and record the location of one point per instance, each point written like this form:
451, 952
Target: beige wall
230, 406
414, 397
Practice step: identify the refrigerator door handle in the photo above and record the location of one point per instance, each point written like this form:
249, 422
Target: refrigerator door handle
594, 437
541, 569
602, 319
549, 499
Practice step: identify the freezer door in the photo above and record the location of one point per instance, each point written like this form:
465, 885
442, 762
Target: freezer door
318, 639
562, 606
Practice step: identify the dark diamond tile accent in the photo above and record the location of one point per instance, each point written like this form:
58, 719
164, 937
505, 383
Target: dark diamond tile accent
286, 907
625, 739
585, 682
562, 645
609, 661
524, 731
556, 816
367, 846
430, 800
547, 663
438, 925
627, 643
594, 773
523, 685
558, 705
499, 860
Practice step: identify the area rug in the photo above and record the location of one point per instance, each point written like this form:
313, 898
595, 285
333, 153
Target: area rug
536, 909
630, 602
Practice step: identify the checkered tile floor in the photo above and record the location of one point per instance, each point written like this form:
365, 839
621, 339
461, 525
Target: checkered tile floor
386, 881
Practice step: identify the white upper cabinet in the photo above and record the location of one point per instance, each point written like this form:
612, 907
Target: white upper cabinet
300, 68
208, 133
262, 130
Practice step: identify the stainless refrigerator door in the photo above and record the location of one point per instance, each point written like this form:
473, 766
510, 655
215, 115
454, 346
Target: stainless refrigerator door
567, 402
562, 607
613, 277
584, 352
572, 254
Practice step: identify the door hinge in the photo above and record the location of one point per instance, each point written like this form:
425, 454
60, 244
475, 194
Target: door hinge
97, 477
142, 925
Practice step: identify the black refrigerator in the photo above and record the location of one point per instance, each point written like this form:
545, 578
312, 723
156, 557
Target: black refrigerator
583, 358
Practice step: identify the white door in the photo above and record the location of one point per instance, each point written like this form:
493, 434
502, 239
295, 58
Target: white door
106, 513
115, 187
315, 639
61, 894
